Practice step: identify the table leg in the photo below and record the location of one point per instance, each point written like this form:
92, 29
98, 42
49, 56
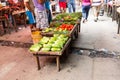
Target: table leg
58, 63
76, 34
79, 26
14, 21
38, 62
118, 25
113, 12
24, 17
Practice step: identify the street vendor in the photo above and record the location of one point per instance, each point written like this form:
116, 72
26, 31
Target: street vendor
40, 14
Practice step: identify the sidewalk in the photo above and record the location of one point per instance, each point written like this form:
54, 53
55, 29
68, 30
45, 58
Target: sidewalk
97, 35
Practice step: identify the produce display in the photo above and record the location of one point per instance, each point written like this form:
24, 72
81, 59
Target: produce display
68, 27
35, 47
68, 16
60, 29
55, 43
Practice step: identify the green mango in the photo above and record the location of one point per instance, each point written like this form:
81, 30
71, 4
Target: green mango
35, 47
56, 45
45, 49
47, 45
55, 49
44, 40
55, 35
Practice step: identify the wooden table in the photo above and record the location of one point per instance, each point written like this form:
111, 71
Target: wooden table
18, 12
50, 53
5, 12
118, 12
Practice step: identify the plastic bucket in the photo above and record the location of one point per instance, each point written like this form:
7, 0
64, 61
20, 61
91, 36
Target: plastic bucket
36, 36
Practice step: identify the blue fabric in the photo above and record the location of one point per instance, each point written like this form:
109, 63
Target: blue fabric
49, 15
30, 17
47, 4
85, 11
71, 7
71, 1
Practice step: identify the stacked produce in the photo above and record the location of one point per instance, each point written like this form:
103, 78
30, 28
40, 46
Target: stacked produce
68, 27
35, 47
55, 43
63, 23
60, 28
68, 17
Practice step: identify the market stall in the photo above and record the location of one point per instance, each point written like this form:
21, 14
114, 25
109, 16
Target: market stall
55, 40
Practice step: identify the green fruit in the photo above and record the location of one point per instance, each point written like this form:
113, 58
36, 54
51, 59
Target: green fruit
35, 47
45, 49
55, 35
55, 49
56, 45
47, 45
44, 40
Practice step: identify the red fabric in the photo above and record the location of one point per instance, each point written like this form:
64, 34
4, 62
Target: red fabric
62, 4
6, 16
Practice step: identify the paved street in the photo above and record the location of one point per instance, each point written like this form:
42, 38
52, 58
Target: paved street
19, 64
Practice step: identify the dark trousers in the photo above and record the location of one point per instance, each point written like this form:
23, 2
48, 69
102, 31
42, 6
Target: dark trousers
85, 11
49, 15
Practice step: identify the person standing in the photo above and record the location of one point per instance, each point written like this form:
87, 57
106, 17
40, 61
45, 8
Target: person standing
71, 5
63, 5
40, 14
49, 15
29, 7
96, 8
86, 4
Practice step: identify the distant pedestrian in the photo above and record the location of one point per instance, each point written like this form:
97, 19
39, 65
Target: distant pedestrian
63, 5
86, 4
71, 5
29, 7
40, 14
96, 8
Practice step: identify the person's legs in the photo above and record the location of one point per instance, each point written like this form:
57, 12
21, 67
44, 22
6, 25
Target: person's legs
41, 19
95, 12
64, 7
73, 6
61, 8
69, 7
44, 20
84, 13
98, 10
49, 15
87, 11
31, 19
